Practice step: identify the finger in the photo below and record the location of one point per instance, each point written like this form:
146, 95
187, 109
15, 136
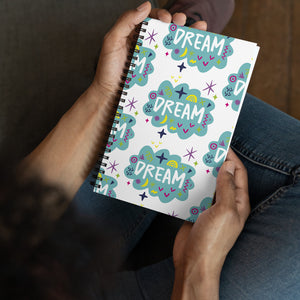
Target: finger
225, 190
241, 179
241, 183
201, 25
161, 14
179, 19
127, 22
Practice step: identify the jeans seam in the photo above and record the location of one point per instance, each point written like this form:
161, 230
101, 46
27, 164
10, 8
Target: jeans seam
261, 207
139, 285
131, 230
266, 162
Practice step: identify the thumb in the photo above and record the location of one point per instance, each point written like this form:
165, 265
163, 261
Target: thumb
127, 22
225, 190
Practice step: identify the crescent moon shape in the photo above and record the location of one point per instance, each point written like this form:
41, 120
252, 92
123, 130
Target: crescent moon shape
164, 120
184, 53
146, 183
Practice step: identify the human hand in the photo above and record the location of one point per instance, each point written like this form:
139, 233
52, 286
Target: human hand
66, 156
200, 249
117, 43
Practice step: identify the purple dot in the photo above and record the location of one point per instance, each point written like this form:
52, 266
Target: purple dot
156, 118
138, 181
176, 51
237, 102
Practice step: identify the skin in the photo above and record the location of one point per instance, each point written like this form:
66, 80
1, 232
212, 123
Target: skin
200, 250
65, 157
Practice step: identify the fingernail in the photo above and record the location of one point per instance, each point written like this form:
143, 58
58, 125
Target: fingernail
204, 25
142, 6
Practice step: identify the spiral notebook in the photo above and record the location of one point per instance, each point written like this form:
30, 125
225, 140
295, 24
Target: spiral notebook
177, 113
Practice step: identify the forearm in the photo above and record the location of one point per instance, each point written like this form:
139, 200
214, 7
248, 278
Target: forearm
67, 154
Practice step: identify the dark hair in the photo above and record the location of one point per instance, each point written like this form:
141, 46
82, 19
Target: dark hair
40, 257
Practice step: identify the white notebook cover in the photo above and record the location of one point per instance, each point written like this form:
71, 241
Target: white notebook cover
184, 95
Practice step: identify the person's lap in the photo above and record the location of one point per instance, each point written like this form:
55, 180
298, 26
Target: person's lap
263, 262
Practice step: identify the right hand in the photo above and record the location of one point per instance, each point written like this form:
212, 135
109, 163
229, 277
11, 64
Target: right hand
200, 249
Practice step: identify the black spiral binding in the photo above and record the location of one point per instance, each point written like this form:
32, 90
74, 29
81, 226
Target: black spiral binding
121, 99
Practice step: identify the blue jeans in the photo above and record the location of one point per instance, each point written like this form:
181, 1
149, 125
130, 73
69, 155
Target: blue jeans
265, 261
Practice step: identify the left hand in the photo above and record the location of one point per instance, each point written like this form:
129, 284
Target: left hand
66, 156
117, 43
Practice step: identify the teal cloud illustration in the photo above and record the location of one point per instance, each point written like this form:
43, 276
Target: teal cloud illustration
217, 152
161, 174
143, 66
195, 211
201, 49
237, 83
106, 185
180, 108
124, 133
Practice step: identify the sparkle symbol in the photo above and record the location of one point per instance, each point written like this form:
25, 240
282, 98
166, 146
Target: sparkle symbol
167, 53
203, 208
173, 214
113, 166
136, 113
144, 52
183, 168
151, 36
202, 102
147, 120
195, 163
209, 87
215, 97
190, 153
161, 133
181, 92
143, 196
161, 158
227, 104
118, 175
131, 103
128, 182
218, 61
156, 46
207, 171
181, 67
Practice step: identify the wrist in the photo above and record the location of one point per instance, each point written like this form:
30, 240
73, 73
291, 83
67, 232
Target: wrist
101, 95
196, 281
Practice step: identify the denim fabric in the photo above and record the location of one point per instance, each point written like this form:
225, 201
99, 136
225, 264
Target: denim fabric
265, 261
